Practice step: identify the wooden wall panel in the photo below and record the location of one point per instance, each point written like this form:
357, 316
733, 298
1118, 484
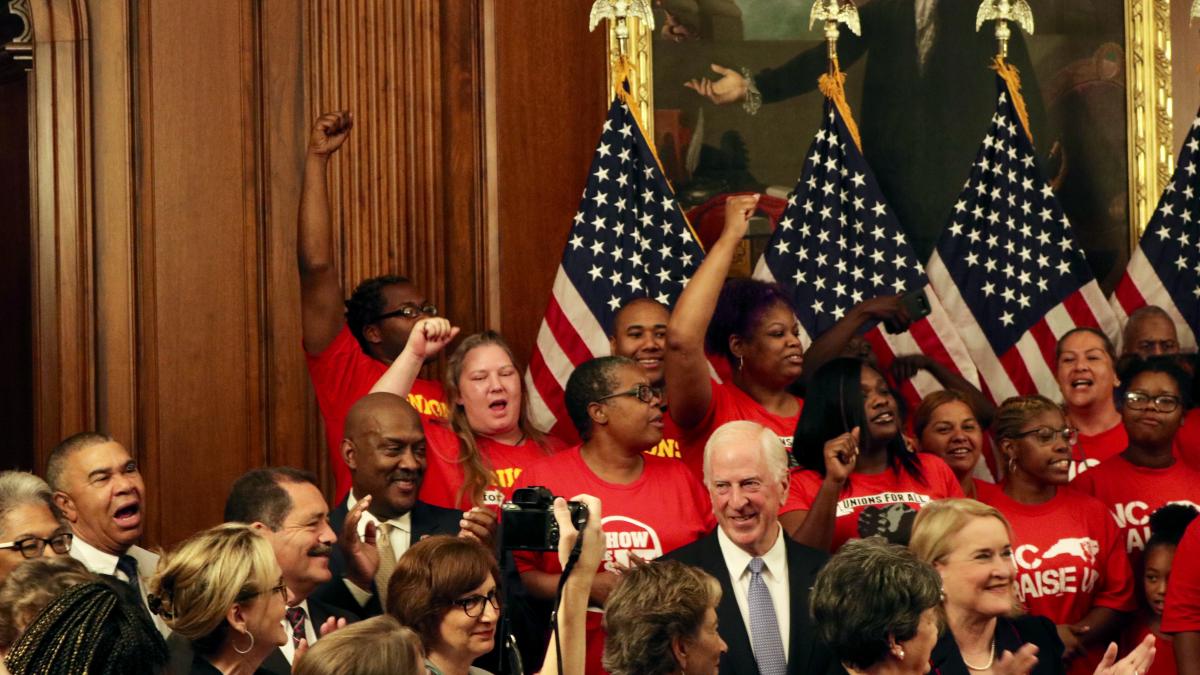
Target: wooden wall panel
549, 98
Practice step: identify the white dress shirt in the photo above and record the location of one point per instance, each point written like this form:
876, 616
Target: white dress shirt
774, 575
310, 632
400, 539
101, 562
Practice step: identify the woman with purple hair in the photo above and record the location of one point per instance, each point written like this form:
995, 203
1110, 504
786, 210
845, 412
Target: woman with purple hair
751, 325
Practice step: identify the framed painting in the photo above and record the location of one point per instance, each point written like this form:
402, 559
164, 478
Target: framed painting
1096, 76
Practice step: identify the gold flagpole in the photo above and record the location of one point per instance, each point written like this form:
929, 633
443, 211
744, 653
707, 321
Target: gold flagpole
1003, 11
832, 84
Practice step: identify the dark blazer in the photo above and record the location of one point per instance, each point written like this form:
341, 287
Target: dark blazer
805, 654
426, 520
1010, 635
319, 612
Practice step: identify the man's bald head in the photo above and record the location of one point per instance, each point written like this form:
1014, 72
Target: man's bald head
384, 447
1150, 332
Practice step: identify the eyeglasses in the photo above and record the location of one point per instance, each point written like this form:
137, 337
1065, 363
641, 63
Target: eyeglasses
281, 589
409, 312
1137, 400
472, 605
1046, 435
643, 392
32, 547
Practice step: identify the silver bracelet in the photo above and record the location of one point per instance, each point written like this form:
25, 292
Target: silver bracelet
753, 96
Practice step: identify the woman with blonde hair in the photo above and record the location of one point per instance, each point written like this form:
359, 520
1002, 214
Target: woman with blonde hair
223, 591
475, 456
970, 545
395, 650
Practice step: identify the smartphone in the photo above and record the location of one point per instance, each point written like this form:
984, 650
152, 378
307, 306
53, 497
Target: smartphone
916, 303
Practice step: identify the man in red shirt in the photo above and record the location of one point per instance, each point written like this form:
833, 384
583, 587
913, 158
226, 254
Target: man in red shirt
349, 343
639, 332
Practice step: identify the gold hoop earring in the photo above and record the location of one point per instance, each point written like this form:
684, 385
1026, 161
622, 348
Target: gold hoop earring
251, 636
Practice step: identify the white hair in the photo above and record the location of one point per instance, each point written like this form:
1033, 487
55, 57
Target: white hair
769, 445
18, 488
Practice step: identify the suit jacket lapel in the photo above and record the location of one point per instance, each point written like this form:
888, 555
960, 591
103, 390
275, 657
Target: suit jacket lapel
740, 657
799, 649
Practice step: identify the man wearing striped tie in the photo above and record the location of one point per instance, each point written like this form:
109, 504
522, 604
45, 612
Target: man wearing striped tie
765, 576
384, 447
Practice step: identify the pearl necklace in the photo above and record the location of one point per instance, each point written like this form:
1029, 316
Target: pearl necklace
991, 658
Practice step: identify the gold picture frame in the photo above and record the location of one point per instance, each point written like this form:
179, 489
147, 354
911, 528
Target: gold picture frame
1148, 101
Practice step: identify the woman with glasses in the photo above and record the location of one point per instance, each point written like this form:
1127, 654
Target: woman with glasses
1071, 563
748, 323
1146, 475
446, 589
653, 505
970, 545
488, 440
223, 592
29, 522
857, 476
1086, 375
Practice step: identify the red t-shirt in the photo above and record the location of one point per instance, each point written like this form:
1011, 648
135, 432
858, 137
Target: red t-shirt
1132, 493
669, 447
1069, 559
882, 504
1164, 656
1187, 439
1182, 612
1091, 450
730, 403
444, 475
341, 375
663, 509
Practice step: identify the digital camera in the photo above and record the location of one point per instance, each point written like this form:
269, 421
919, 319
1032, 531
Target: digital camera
527, 522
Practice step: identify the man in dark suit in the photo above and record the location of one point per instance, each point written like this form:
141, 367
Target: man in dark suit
286, 506
384, 448
765, 576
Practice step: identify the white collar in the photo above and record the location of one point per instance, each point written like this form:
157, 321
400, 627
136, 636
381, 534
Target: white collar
738, 559
93, 558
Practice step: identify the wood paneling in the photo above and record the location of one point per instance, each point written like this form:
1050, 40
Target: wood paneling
550, 97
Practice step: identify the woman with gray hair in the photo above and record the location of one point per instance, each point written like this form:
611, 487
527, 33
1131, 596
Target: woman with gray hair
661, 619
29, 522
876, 606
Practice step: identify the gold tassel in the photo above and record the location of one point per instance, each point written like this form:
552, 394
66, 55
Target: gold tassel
1013, 79
832, 84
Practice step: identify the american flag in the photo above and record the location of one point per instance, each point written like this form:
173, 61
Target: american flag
838, 244
629, 239
1008, 268
1165, 268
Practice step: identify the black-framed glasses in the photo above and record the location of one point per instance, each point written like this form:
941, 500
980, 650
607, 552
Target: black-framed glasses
1138, 400
1046, 435
409, 312
32, 547
472, 605
643, 392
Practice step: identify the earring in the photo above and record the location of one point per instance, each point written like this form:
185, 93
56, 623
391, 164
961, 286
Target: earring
741, 363
247, 651
1012, 465
900, 652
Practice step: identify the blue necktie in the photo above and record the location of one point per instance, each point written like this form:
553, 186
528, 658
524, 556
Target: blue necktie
764, 625
128, 566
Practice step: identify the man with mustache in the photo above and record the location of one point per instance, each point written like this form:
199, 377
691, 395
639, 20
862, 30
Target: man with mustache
98, 489
384, 447
286, 506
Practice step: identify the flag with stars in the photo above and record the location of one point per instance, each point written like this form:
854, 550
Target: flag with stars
1008, 268
838, 244
629, 240
1165, 268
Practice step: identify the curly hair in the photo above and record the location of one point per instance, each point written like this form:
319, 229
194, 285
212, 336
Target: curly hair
367, 302
30, 587
740, 308
477, 475
431, 575
870, 590
1168, 523
90, 628
655, 604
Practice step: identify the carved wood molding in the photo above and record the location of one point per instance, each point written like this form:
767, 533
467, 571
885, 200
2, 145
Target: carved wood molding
382, 61
1148, 68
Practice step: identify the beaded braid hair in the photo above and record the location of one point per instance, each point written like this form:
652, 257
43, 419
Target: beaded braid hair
91, 629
